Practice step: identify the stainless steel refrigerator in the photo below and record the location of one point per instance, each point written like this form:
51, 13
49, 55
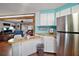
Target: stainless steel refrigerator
68, 35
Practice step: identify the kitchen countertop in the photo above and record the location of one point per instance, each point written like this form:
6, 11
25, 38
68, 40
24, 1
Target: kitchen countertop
23, 39
37, 36
46, 34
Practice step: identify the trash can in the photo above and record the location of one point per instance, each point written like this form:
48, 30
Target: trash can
40, 49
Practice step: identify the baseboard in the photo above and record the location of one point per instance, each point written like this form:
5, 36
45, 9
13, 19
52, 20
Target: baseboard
44, 52
50, 52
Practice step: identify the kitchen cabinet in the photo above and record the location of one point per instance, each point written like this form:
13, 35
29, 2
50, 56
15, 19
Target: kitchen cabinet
75, 9
58, 14
50, 19
63, 12
28, 47
16, 49
49, 44
47, 19
25, 48
43, 19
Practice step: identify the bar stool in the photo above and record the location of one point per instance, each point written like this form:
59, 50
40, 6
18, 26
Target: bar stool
40, 49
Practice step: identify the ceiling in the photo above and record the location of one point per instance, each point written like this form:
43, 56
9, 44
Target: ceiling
24, 8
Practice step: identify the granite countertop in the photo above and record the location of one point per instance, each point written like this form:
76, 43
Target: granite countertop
23, 39
46, 34
37, 36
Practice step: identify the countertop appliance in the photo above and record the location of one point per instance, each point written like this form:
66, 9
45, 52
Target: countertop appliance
51, 31
68, 35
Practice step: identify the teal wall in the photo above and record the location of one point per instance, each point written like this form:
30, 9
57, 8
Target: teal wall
45, 29
37, 28
65, 6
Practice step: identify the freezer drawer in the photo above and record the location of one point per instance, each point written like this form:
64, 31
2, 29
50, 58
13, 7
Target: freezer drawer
60, 44
67, 44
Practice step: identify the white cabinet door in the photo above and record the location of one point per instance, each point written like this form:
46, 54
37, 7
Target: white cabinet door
65, 12
58, 14
29, 47
50, 19
47, 19
16, 49
75, 9
49, 45
25, 48
43, 19
45, 44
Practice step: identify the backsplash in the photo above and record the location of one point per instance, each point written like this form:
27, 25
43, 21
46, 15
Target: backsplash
45, 29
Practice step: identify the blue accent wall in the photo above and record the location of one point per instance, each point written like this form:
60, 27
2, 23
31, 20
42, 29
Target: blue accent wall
65, 6
37, 28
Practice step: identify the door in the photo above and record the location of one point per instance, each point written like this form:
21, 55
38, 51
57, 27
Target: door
67, 44
49, 44
61, 23
60, 44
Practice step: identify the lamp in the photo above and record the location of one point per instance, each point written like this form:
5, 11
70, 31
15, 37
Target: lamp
21, 24
21, 21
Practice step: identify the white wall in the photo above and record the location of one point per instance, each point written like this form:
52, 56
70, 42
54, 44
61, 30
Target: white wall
1, 26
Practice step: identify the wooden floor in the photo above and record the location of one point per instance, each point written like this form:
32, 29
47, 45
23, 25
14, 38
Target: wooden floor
4, 48
44, 54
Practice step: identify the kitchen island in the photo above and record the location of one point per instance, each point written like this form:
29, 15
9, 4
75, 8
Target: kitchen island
25, 47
